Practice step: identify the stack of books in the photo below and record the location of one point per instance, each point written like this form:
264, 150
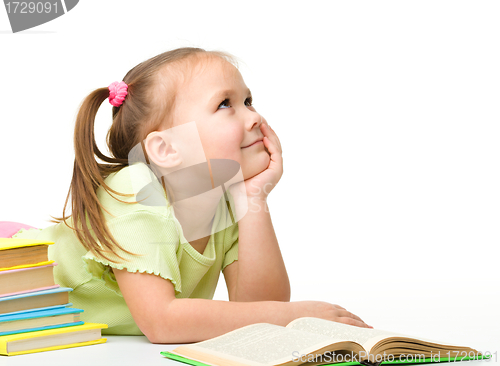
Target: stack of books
35, 314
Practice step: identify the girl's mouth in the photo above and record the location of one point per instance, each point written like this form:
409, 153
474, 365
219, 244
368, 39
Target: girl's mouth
254, 144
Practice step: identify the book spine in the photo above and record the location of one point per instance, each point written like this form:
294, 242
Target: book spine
42, 328
81, 344
27, 291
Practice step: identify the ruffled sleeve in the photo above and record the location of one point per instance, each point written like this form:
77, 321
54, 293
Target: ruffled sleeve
152, 236
31, 233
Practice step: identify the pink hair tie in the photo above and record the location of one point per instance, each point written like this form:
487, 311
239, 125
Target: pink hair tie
117, 93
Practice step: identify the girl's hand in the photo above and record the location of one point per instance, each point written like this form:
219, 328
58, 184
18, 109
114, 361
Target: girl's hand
324, 310
260, 185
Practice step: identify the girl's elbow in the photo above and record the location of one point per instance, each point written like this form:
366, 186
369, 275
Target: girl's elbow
156, 331
154, 339
157, 336
151, 334
163, 329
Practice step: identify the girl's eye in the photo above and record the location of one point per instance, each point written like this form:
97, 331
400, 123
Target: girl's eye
225, 103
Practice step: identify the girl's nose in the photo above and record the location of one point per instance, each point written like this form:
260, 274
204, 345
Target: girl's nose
254, 120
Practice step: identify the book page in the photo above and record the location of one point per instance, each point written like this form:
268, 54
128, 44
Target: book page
261, 344
367, 337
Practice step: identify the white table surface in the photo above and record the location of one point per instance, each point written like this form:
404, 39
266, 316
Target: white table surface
122, 351
118, 350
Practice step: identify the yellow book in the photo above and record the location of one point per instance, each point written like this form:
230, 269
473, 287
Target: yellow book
11, 243
23, 253
52, 339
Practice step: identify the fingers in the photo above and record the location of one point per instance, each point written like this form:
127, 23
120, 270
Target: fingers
272, 143
352, 321
278, 142
271, 135
276, 136
356, 320
346, 314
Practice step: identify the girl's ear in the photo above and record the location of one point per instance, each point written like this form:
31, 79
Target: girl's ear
161, 150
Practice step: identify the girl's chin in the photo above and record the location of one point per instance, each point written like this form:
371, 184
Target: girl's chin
258, 166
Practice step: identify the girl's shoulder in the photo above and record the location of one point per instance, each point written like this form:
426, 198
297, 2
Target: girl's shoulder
138, 183
130, 179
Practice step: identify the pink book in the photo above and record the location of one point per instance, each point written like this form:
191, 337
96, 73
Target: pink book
18, 281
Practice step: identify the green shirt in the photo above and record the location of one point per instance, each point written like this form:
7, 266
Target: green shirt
152, 231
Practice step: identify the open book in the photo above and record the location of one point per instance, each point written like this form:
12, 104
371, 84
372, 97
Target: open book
315, 341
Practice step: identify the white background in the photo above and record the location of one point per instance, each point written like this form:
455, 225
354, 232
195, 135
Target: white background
388, 115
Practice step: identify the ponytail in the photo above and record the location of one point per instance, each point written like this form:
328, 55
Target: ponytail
88, 175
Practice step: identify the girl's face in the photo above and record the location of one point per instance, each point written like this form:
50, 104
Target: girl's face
220, 103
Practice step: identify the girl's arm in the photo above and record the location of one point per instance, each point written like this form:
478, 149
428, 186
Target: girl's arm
165, 319
259, 273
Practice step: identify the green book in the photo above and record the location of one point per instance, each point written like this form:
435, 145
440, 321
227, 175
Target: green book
407, 362
396, 361
315, 341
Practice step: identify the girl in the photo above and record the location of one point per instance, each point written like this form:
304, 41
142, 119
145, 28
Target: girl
129, 262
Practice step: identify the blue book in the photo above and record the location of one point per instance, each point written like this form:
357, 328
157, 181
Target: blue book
34, 300
31, 321
38, 309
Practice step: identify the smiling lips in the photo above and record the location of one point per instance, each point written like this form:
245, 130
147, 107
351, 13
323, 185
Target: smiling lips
255, 143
